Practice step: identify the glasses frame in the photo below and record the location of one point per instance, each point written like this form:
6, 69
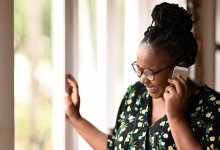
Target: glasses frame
143, 71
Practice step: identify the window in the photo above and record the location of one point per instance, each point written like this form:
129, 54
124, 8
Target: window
96, 41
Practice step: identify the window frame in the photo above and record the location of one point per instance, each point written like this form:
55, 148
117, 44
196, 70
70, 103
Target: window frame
64, 49
7, 74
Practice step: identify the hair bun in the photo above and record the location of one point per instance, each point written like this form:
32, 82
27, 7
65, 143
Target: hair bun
171, 15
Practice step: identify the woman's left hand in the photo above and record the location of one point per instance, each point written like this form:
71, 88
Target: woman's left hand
176, 98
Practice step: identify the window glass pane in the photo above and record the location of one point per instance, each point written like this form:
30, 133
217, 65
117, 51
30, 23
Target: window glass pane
32, 74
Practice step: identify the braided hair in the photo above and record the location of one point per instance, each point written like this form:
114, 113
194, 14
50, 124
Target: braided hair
170, 32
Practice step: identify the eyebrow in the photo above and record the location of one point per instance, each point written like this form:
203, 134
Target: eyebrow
152, 69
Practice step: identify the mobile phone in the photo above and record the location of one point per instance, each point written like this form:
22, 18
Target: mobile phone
183, 71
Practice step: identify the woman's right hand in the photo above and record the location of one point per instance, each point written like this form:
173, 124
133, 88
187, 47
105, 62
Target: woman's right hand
72, 98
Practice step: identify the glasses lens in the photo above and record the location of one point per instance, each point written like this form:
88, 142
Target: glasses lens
149, 74
137, 70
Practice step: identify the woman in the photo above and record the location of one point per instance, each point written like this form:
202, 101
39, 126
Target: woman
159, 112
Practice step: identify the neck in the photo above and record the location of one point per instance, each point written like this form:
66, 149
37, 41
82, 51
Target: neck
192, 86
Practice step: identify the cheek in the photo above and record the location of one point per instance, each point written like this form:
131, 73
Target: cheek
162, 82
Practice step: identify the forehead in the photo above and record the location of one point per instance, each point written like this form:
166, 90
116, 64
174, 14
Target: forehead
150, 57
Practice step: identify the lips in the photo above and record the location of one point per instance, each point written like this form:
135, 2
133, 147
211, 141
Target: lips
151, 89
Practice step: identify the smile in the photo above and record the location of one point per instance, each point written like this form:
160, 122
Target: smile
151, 89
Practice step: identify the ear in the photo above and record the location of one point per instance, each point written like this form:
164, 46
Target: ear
182, 64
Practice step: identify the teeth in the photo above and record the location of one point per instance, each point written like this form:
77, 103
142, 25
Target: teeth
152, 88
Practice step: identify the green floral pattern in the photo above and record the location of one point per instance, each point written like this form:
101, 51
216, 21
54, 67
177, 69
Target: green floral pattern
133, 132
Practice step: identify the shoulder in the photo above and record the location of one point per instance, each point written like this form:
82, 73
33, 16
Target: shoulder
210, 95
137, 87
136, 90
205, 120
205, 103
211, 101
135, 96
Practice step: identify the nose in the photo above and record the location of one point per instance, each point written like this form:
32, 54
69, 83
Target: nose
143, 79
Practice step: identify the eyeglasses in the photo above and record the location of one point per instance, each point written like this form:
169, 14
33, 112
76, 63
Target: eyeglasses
149, 74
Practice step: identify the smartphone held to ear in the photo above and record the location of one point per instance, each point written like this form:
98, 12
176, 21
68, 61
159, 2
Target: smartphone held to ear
183, 71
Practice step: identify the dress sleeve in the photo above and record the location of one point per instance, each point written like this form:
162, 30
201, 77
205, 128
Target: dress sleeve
112, 137
112, 141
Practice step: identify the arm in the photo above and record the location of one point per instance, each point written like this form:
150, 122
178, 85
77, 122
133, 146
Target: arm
95, 138
90, 133
176, 101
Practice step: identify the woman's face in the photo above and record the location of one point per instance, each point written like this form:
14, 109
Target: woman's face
150, 58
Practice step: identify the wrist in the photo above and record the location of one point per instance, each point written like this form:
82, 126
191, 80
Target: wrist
175, 120
75, 119
177, 116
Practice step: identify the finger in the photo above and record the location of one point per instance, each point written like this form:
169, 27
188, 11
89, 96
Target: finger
177, 84
70, 79
182, 86
75, 98
68, 87
67, 99
170, 89
74, 84
69, 76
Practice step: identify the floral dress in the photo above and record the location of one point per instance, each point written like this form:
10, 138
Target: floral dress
133, 131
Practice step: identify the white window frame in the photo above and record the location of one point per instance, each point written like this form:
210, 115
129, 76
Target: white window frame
64, 13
